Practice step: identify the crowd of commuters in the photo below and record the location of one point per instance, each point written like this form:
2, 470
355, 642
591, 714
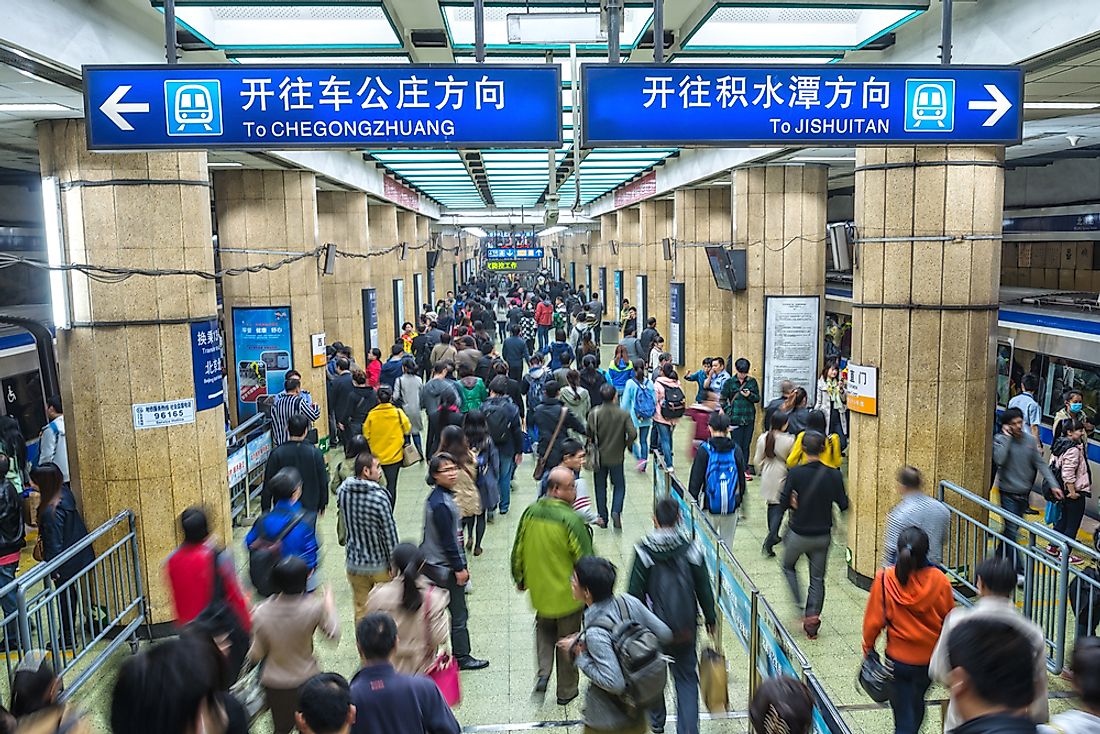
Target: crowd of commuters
490, 374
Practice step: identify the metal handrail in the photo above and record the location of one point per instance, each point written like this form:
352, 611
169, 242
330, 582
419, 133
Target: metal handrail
257, 420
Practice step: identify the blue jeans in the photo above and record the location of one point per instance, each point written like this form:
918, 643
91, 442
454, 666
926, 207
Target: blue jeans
664, 438
641, 449
504, 478
685, 678
544, 336
911, 682
10, 602
618, 485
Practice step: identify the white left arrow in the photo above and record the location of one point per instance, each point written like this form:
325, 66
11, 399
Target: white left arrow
999, 105
114, 107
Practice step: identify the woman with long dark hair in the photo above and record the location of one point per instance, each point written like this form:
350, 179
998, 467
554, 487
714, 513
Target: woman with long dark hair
14, 446
910, 601
796, 410
772, 449
488, 470
418, 608
447, 414
62, 527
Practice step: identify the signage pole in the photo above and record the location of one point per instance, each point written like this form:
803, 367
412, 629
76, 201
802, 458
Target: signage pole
613, 31
945, 34
170, 31
573, 82
479, 31
658, 31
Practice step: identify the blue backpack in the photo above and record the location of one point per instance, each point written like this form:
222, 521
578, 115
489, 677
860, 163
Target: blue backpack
722, 476
645, 401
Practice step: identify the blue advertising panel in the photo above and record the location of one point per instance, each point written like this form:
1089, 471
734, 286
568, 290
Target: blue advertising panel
253, 106
838, 104
262, 354
206, 364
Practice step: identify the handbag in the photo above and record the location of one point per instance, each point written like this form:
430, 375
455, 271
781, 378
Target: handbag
713, 680
410, 455
540, 465
249, 690
592, 446
444, 670
875, 676
39, 552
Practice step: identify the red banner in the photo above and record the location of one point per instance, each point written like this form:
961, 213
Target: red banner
643, 188
401, 194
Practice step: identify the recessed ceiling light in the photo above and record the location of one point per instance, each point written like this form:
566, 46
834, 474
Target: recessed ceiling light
1061, 105
33, 107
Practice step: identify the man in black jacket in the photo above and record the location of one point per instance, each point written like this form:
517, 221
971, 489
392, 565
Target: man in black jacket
649, 335
307, 459
810, 493
515, 352
546, 417
502, 415
12, 540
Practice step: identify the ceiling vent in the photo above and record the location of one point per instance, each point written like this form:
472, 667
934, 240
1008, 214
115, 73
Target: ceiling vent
428, 38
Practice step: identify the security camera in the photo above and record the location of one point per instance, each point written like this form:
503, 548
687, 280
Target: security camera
551, 217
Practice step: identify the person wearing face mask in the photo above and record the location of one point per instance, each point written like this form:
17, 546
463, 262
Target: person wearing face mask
1074, 408
1071, 465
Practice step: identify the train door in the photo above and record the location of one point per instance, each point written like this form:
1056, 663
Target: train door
1005, 355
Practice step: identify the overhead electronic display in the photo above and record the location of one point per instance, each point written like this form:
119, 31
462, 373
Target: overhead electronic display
249, 107
836, 104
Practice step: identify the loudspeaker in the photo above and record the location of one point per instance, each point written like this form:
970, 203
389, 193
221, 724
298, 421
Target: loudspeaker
404, 250
432, 259
330, 259
666, 247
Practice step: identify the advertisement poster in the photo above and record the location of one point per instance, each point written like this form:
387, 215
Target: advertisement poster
676, 324
791, 343
862, 389
206, 364
618, 295
262, 354
370, 317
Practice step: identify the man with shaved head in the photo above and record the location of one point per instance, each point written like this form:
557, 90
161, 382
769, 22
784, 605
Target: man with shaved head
550, 539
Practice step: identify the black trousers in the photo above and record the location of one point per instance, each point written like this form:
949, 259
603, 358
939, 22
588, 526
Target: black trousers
460, 615
390, 471
775, 518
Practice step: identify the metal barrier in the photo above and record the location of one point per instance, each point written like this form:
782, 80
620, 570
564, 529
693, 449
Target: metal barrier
771, 649
82, 619
247, 446
1047, 578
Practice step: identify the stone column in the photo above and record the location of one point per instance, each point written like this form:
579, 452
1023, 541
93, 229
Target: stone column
702, 216
779, 212
130, 341
925, 314
628, 228
655, 219
342, 220
264, 216
384, 267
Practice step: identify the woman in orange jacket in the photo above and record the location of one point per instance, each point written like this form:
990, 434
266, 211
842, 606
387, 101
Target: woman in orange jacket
909, 600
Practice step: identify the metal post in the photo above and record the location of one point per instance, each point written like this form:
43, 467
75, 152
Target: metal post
754, 643
658, 31
945, 33
576, 125
170, 31
479, 31
613, 8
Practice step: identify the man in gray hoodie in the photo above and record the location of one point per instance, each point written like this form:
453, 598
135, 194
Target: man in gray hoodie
1018, 460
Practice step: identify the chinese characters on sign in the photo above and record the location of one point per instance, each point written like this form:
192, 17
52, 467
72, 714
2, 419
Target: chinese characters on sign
719, 105
262, 354
253, 106
206, 363
862, 389
162, 415
791, 343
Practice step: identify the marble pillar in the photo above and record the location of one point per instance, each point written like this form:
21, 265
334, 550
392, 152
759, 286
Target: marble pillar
702, 216
342, 220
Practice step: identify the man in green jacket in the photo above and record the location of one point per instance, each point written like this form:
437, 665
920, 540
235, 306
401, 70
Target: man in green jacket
550, 539
670, 577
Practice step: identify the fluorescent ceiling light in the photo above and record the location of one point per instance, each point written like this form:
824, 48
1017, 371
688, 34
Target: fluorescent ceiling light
290, 26
824, 158
335, 60
553, 28
33, 107
459, 20
1061, 105
475, 231
54, 230
224, 164
797, 60
550, 231
802, 28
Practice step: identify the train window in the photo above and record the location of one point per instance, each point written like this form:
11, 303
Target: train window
1063, 374
1004, 373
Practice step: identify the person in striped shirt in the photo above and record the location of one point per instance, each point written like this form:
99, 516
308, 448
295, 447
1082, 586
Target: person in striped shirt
292, 400
915, 509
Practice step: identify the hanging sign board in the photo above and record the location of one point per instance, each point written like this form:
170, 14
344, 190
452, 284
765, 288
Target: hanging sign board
317, 349
836, 104
164, 414
256, 107
792, 339
862, 388
206, 364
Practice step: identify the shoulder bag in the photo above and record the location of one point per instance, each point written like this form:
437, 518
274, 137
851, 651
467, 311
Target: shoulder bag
876, 676
444, 670
540, 465
592, 450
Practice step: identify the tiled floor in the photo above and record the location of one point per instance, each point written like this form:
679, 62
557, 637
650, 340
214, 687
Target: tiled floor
501, 620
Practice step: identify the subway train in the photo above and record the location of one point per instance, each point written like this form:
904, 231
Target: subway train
1054, 334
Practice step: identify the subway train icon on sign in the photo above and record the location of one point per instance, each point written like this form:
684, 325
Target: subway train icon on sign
929, 105
193, 107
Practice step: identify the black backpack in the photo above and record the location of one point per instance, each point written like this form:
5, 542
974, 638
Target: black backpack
671, 592
265, 552
498, 417
638, 651
673, 404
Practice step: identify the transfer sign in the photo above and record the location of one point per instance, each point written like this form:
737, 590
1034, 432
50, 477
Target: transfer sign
835, 104
263, 107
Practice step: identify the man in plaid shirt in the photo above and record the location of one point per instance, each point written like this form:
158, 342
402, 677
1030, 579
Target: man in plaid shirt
739, 396
369, 529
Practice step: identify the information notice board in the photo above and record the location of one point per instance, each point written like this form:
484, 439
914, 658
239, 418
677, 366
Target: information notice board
792, 341
676, 324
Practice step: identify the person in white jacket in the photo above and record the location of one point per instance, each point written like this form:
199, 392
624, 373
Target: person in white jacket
53, 448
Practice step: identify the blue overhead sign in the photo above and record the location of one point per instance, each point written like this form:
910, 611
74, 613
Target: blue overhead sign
245, 107
514, 253
837, 104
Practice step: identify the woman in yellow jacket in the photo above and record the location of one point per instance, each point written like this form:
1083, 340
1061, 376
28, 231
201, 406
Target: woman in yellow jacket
831, 456
385, 429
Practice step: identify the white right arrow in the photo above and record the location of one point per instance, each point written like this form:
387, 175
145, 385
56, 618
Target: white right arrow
999, 104
114, 107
